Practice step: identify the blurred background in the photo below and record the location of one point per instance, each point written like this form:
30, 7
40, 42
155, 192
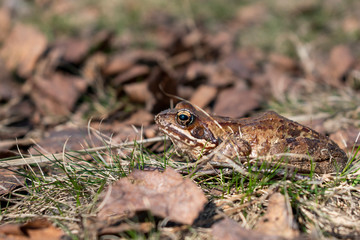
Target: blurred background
63, 62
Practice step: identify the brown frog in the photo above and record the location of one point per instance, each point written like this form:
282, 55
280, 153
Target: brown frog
267, 136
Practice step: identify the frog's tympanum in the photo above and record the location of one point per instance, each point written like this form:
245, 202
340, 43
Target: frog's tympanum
267, 136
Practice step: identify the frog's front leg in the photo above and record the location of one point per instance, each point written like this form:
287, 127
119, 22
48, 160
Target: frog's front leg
232, 147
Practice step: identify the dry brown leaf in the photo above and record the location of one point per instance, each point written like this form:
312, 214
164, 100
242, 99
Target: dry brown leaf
346, 138
162, 82
282, 62
221, 41
118, 64
228, 229
5, 23
192, 39
36, 229
203, 95
196, 70
13, 132
75, 139
140, 227
135, 72
166, 194
351, 24
92, 68
22, 55
216, 75
278, 220
73, 50
236, 102
252, 14
341, 59
125, 132
280, 82
140, 118
9, 180
57, 93
138, 92
9, 89
18, 111
122, 132
339, 64
241, 67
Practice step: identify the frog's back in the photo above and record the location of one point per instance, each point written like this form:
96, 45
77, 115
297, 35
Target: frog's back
271, 124
271, 134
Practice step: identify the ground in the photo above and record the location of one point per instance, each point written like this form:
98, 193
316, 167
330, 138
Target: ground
80, 80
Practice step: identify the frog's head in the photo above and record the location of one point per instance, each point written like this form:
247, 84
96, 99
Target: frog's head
189, 129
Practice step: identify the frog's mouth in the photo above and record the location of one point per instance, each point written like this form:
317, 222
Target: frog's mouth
195, 148
183, 137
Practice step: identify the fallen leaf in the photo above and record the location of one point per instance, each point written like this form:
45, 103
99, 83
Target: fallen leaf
228, 229
347, 139
279, 81
92, 68
278, 220
73, 50
22, 55
5, 22
296, 8
162, 82
236, 102
192, 39
138, 92
203, 95
9, 89
334, 70
140, 118
36, 229
351, 24
122, 132
9, 180
216, 75
166, 194
75, 139
341, 59
57, 93
196, 70
283, 62
221, 41
185, 92
126, 133
241, 67
151, 131
252, 14
8, 132
118, 64
222, 77
135, 72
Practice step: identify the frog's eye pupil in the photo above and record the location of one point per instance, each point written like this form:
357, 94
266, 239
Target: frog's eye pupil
184, 118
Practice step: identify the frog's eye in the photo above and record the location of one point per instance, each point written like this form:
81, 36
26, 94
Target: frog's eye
184, 118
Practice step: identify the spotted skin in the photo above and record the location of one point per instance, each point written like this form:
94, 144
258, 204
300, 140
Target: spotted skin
269, 134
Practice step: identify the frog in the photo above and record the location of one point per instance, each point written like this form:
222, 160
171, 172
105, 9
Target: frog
265, 137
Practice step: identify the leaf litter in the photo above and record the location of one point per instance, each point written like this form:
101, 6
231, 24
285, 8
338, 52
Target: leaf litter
167, 195
121, 80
